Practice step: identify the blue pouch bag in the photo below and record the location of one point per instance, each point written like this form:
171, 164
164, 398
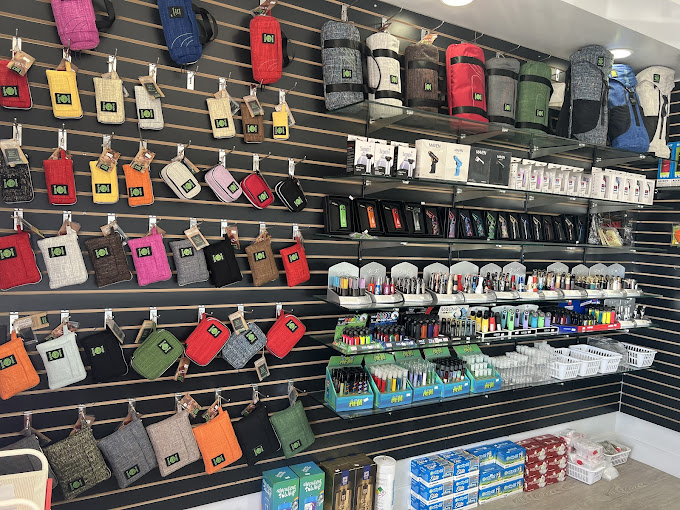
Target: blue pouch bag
185, 34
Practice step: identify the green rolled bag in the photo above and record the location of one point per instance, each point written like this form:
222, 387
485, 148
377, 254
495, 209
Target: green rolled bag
157, 353
293, 430
533, 96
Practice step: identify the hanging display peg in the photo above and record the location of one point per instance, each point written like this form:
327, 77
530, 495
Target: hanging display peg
28, 415
279, 309
110, 217
178, 399
65, 316
153, 69
253, 89
153, 314
17, 217
67, 216
191, 76
17, 132
16, 42
113, 61
106, 141
152, 222
292, 164
181, 148
424, 32
62, 141
66, 52
131, 406
108, 316
13, 316
263, 226
296, 231
256, 162
223, 227
223, 156
222, 84
201, 311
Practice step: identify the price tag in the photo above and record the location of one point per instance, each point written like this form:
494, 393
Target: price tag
190, 405
12, 153
108, 159
21, 62
115, 329
196, 237
182, 369
148, 327
142, 160
232, 234
261, 368
151, 86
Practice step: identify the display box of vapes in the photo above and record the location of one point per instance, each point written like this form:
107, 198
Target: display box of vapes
347, 390
426, 384
484, 384
364, 481
360, 155
338, 215
339, 486
449, 389
280, 489
589, 329
378, 369
311, 488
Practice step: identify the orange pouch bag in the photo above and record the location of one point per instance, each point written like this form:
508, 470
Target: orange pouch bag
138, 186
16, 371
217, 442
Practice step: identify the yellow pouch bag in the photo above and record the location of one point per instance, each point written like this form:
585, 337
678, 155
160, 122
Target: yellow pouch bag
64, 93
104, 184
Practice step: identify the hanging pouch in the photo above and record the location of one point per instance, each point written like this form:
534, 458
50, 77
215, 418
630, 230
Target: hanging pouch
129, 452
77, 25
17, 261
139, 188
268, 49
257, 191
217, 442
104, 355
221, 119
253, 127
284, 335
77, 462
292, 427
149, 110
64, 91
16, 371
108, 260
222, 264
159, 352
185, 35
104, 184
241, 347
61, 184
16, 182
63, 259
173, 443
189, 262
261, 260
290, 193
14, 89
62, 360
108, 98
295, 264
181, 180
206, 341
256, 435
150, 259
223, 184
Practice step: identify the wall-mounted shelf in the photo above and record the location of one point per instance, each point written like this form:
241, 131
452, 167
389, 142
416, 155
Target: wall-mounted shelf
379, 116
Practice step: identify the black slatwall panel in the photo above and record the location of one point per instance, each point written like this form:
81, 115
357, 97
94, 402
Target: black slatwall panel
320, 136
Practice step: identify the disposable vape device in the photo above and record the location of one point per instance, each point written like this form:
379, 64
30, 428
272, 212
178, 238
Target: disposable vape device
452, 224
511, 319
491, 225
537, 229
467, 224
479, 224
515, 227
395, 218
343, 215
505, 234
371, 216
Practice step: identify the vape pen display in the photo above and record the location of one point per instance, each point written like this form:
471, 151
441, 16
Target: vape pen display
450, 370
389, 378
357, 336
421, 326
349, 380
419, 372
546, 280
411, 285
348, 285
444, 283
381, 286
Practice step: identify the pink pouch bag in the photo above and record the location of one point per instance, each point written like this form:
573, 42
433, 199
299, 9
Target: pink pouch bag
150, 259
76, 23
223, 184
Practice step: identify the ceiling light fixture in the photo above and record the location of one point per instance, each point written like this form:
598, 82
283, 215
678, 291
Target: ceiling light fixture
620, 53
457, 3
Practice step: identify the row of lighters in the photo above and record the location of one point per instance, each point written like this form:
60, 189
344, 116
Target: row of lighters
380, 286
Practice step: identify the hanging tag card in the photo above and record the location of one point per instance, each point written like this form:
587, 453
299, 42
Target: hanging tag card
196, 237
292, 395
212, 411
190, 405
253, 105
147, 327
142, 160
194, 169
251, 407
261, 368
238, 322
31, 227
428, 39
232, 234
182, 369
264, 9
151, 86
12, 153
108, 159
68, 223
115, 329
21, 62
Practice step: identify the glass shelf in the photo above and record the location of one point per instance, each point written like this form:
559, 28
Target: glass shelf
350, 415
379, 116
450, 342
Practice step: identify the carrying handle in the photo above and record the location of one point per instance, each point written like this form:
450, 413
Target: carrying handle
207, 24
106, 22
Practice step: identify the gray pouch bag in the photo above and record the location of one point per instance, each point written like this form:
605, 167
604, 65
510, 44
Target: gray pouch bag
242, 346
129, 452
173, 443
27, 463
190, 263
501, 95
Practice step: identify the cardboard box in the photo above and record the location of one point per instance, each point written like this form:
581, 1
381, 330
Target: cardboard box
480, 165
585, 185
514, 172
311, 485
364, 481
535, 450
648, 192
404, 162
554, 446
599, 183
431, 160
457, 162
384, 157
489, 474
536, 177
499, 168
280, 489
506, 455
484, 453
534, 482
360, 155
339, 484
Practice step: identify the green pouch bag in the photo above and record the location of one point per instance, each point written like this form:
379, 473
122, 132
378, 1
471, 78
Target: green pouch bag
293, 430
158, 353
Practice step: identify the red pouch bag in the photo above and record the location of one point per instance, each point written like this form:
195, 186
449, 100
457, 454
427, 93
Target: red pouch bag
295, 264
17, 261
61, 184
284, 334
267, 48
14, 89
206, 340
466, 82
257, 190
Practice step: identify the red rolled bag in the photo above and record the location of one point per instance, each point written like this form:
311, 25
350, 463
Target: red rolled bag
466, 82
268, 49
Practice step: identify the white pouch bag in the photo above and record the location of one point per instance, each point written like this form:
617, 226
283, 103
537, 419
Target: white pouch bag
149, 110
62, 360
181, 180
64, 259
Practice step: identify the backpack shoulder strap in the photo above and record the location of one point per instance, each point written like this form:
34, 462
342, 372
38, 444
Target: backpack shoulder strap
103, 24
207, 24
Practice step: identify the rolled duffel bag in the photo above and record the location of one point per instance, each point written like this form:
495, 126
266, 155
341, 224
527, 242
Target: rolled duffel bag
585, 113
268, 49
501, 95
533, 96
421, 62
77, 25
184, 34
654, 88
626, 123
384, 71
466, 82
341, 57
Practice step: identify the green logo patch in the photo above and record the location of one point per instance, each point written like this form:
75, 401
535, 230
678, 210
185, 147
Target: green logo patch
250, 336
540, 113
218, 460
394, 80
176, 12
221, 123
260, 255
252, 128
186, 252
10, 91
63, 99
57, 251
8, 253
146, 113
298, 201
136, 192
165, 346
145, 251
188, 186
293, 257
8, 361
268, 38
133, 471
600, 61
97, 351
233, 187
258, 450
295, 445
101, 252
507, 107
428, 87
76, 484
108, 106
280, 130
214, 331
55, 354
102, 188
292, 326
477, 96
218, 257
656, 78
10, 182
59, 189
263, 196
136, 166
347, 74
172, 459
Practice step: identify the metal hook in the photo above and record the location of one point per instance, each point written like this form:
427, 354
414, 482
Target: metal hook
477, 36
546, 58
437, 27
81, 410
266, 156
27, 420
131, 406
385, 21
292, 88
260, 86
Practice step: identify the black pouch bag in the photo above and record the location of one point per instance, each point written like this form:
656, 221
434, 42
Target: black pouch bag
367, 216
415, 219
291, 194
104, 355
222, 264
338, 215
393, 217
256, 435
15, 182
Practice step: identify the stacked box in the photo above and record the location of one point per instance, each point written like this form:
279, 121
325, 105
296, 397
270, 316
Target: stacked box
350, 483
501, 470
546, 461
311, 488
280, 489
444, 481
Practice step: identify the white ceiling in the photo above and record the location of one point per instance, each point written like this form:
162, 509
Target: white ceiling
651, 28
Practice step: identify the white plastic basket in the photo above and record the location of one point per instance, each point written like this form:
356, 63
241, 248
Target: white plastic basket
584, 475
590, 363
639, 356
564, 367
610, 360
619, 458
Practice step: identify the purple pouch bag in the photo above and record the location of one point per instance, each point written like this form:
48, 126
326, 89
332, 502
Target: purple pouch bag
76, 23
223, 184
150, 259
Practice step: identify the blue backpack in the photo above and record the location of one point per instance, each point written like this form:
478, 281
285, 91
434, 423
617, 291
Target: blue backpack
626, 126
185, 35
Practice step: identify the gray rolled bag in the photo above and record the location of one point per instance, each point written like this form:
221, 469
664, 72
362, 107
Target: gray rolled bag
241, 347
341, 58
190, 263
129, 452
421, 62
384, 73
501, 90
533, 96
173, 443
